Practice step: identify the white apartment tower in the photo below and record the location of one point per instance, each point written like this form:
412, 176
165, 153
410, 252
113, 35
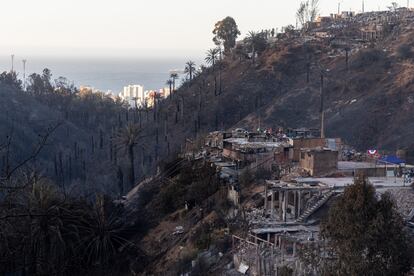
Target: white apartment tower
132, 92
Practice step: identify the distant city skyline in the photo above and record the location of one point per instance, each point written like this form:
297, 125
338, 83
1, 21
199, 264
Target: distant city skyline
138, 28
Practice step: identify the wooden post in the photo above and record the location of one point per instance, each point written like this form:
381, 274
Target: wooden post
265, 199
295, 201
285, 201
280, 205
322, 111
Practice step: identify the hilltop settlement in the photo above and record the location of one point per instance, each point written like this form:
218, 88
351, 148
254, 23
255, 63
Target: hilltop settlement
277, 183
288, 153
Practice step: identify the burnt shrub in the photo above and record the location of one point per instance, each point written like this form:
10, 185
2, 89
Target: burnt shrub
263, 173
193, 185
202, 238
370, 57
404, 51
246, 177
172, 197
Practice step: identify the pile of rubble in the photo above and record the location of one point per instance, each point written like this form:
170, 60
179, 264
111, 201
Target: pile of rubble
404, 199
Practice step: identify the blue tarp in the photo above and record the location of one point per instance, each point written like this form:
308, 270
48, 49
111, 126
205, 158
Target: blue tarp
392, 159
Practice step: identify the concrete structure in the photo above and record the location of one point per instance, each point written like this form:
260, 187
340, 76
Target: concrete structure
292, 201
295, 133
254, 149
319, 161
134, 91
323, 21
309, 143
215, 139
134, 95
153, 96
369, 169
164, 92
372, 32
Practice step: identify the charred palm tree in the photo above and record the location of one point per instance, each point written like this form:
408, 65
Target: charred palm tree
169, 82
174, 77
211, 59
252, 40
127, 138
190, 69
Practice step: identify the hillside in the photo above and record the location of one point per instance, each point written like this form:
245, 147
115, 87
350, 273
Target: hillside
370, 105
77, 153
272, 92
174, 206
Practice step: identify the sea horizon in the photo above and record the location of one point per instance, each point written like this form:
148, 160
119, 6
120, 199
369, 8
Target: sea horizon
102, 73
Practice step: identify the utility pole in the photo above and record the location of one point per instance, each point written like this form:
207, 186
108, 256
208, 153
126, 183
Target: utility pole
322, 112
363, 6
339, 8
24, 74
12, 62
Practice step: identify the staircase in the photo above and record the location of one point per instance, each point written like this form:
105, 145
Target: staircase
308, 212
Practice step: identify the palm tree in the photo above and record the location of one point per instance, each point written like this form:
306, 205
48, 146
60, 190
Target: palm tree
190, 69
127, 138
212, 56
169, 82
211, 59
220, 69
252, 39
173, 77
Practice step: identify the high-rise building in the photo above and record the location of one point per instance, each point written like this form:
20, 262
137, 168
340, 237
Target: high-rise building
132, 93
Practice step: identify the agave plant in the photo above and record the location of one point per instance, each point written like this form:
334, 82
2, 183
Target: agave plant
104, 234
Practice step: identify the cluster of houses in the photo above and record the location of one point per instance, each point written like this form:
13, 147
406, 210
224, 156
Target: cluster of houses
358, 27
305, 173
346, 30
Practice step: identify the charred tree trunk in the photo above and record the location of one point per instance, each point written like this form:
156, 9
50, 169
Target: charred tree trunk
101, 139
131, 178
120, 179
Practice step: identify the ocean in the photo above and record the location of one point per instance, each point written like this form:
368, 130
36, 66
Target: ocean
101, 73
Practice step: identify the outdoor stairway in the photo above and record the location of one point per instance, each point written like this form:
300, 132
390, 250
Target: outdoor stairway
315, 207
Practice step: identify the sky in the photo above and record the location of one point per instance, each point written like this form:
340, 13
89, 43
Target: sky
140, 28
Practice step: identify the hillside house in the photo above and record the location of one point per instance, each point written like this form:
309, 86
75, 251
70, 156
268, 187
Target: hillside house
215, 139
309, 143
319, 161
257, 148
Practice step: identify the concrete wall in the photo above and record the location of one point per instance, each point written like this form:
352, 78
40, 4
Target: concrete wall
310, 143
301, 143
318, 163
369, 172
233, 195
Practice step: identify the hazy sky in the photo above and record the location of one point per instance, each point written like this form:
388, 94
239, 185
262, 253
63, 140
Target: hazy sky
149, 28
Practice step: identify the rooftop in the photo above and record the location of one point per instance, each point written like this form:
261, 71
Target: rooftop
244, 143
341, 182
